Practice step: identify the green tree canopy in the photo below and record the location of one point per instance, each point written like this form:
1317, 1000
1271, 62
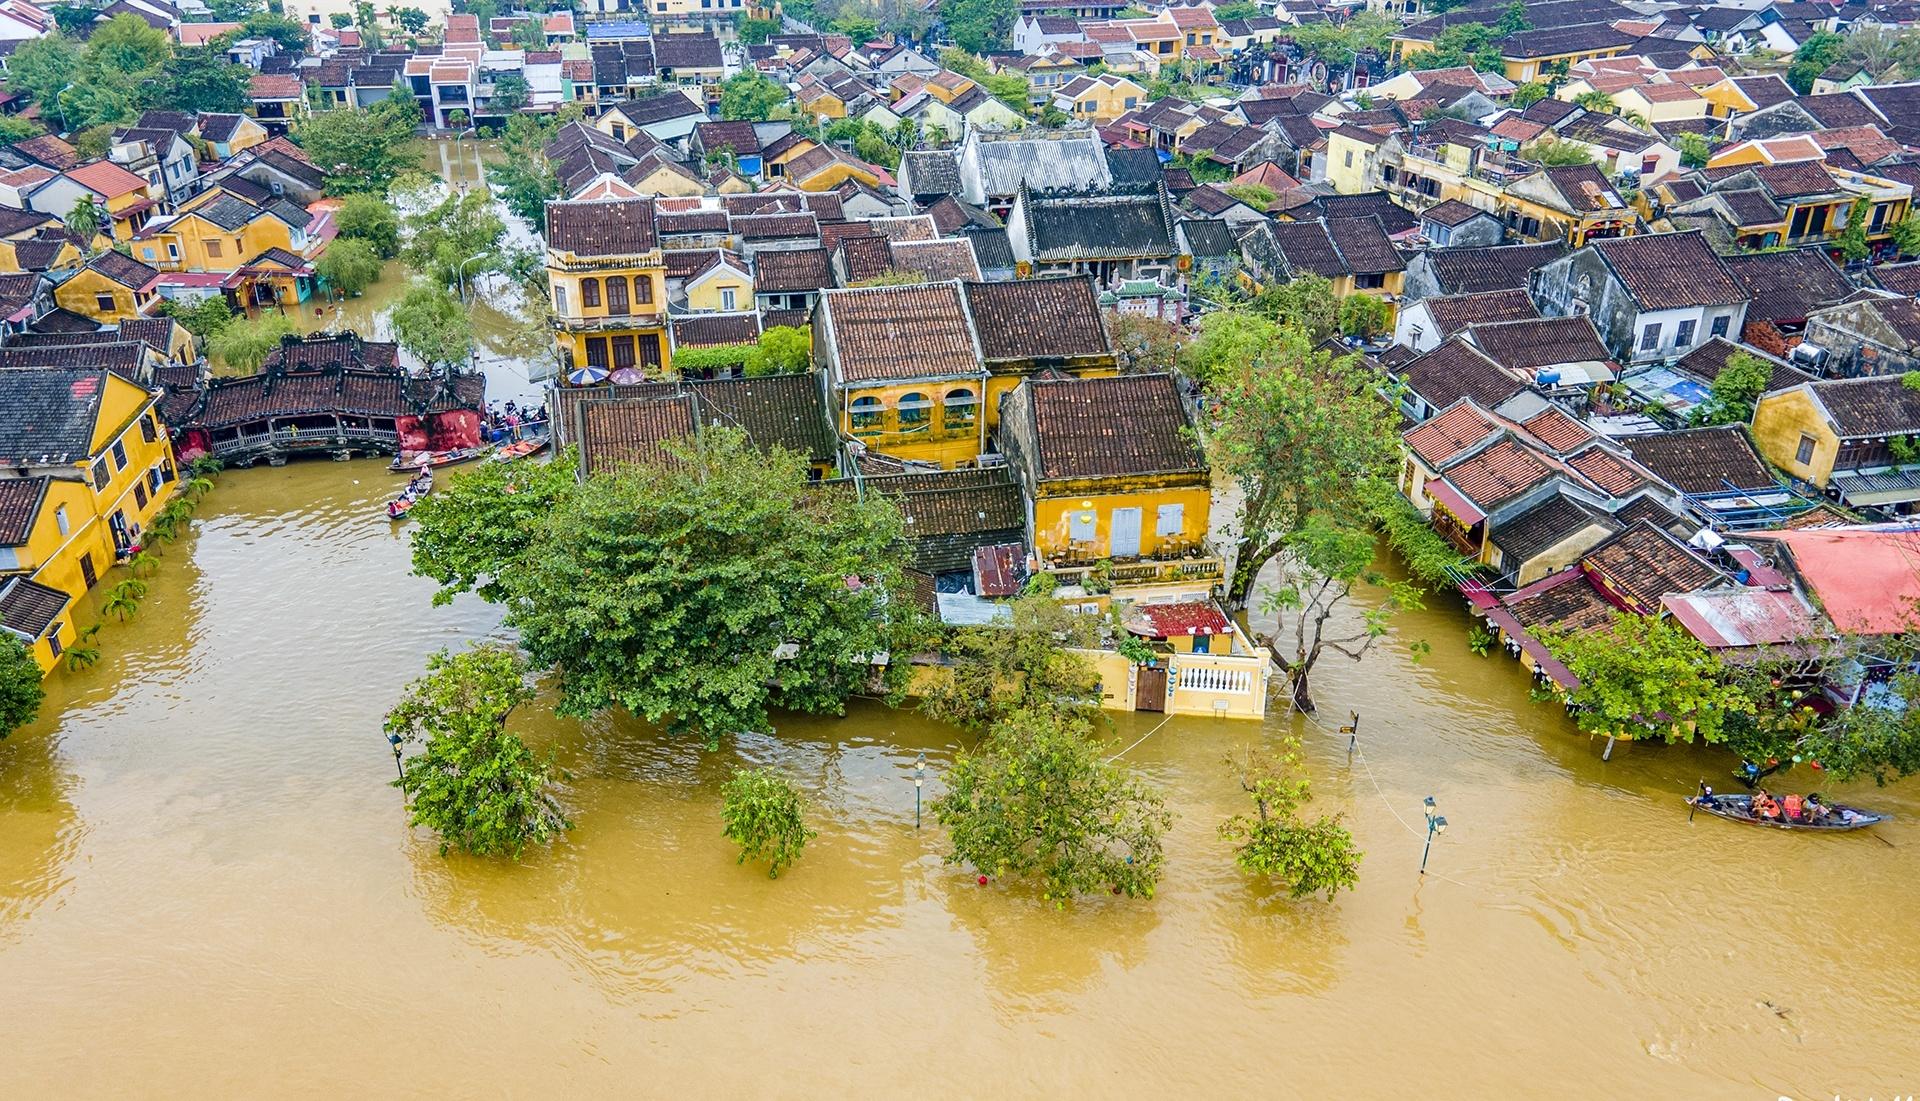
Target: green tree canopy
484, 521
457, 239
197, 79
511, 92
21, 687
1023, 664
783, 350
368, 217
242, 345
766, 816
1038, 799
1821, 49
749, 96
1734, 390
361, 149
526, 179
44, 67
1694, 150
349, 266
476, 785
1276, 841
979, 25
744, 586
434, 326
1644, 676
1549, 152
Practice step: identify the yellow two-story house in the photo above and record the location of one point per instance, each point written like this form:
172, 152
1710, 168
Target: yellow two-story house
1100, 98
1027, 326
85, 463
1113, 474
111, 288
1850, 438
904, 370
721, 285
267, 249
608, 282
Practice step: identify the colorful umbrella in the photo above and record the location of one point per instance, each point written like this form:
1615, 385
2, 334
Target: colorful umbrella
627, 376
586, 376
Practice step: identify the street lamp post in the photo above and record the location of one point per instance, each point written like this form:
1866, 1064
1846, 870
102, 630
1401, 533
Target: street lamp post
461, 274
919, 778
1435, 825
394, 740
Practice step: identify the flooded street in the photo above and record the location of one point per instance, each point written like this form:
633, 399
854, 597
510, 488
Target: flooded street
207, 888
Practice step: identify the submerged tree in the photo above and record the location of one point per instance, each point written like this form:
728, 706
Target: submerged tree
1276, 841
483, 522
476, 785
432, 324
766, 816
21, 687
1021, 665
707, 586
456, 240
1645, 676
1319, 567
1040, 800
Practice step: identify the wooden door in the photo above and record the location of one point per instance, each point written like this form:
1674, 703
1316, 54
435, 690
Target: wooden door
86, 570
1150, 688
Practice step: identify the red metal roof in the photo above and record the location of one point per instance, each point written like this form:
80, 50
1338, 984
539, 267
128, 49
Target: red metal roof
1191, 617
999, 570
1867, 579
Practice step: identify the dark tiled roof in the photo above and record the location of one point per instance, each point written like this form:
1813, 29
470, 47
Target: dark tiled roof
1709, 359
1456, 370
866, 257
1109, 427
949, 258
1533, 343
1542, 527
1038, 319
1750, 207
49, 414
29, 607
1837, 109
1363, 244
768, 227
126, 358
1646, 563
1666, 271
19, 504
791, 271
931, 172
616, 433
787, 410
898, 332
992, 249
949, 514
1493, 268
606, 227
1899, 278
686, 51
1308, 248
1787, 286
1871, 407
124, 270
741, 136
1702, 460
1453, 212
715, 330
1110, 226
1453, 312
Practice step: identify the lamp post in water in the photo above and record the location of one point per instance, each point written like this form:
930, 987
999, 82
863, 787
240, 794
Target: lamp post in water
1435, 825
394, 740
919, 778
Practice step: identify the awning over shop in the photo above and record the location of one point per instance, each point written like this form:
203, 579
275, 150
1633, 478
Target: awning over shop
1891, 486
1455, 503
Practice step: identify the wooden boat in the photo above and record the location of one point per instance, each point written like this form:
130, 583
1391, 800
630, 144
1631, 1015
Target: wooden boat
1739, 808
414, 460
520, 449
399, 507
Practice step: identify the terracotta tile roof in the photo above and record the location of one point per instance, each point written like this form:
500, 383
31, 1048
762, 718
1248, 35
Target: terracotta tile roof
1499, 474
1556, 428
864, 258
1563, 601
1709, 359
1644, 563
276, 86
19, 504
766, 227
715, 330
602, 227
1666, 271
1450, 432
1492, 268
1899, 278
106, 178
1452, 313
1787, 286
951, 258
1609, 471
1038, 319
1870, 407
1111, 427
898, 332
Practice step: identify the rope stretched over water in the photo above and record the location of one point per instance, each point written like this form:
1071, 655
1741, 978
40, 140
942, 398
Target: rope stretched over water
1142, 738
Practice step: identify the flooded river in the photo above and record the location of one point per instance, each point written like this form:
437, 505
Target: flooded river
207, 888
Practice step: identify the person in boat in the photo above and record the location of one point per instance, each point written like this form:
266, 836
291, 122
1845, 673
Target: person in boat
1817, 811
1793, 808
1763, 806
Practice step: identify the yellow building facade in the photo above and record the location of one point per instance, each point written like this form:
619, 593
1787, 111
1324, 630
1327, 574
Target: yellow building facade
1793, 431
607, 280
87, 513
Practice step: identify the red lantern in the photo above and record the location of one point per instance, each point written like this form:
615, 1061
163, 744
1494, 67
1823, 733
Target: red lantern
983, 881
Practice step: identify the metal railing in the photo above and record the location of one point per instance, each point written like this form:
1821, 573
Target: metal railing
1146, 572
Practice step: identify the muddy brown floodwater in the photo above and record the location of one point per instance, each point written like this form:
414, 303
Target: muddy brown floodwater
207, 889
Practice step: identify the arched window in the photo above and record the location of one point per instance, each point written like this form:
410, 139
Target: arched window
866, 413
642, 289
915, 411
616, 294
589, 292
961, 406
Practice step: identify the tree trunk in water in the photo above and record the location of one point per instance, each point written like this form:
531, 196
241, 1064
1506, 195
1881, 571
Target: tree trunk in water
1240, 585
1607, 753
1302, 694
